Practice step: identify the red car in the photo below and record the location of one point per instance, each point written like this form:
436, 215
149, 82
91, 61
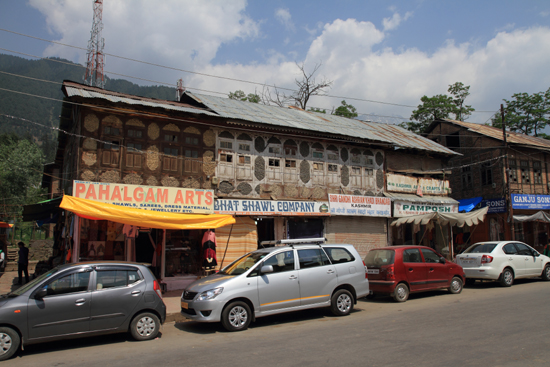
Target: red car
401, 270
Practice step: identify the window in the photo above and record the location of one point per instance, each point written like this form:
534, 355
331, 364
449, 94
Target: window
332, 153
116, 278
191, 140
244, 159
274, 150
333, 168
244, 147
318, 166
356, 171
339, 255
226, 145
109, 130
317, 154
311, 258
380, 257
512, 163
170, 159
430, 256
290, 148
133, 133
486, 174
525, 174
281, 262
72, 283
191, 153
369, 160
453, 140
274, 162
133, 155
369, 172
171, 138
510, 249
412, 255
467, 182
537, 173
228, 158
355, 156
523, 249
290, 163
111, 153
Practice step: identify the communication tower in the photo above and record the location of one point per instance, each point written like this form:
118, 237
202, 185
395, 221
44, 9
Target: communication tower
96, 58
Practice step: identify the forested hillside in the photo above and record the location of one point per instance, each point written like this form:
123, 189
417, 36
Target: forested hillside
33, 95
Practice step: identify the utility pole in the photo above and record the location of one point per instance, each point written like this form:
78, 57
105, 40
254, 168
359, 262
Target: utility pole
507, 177
96, 57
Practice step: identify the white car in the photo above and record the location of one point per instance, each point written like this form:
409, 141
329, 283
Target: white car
503, 261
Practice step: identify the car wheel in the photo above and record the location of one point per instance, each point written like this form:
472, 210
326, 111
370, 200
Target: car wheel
546, 272
401, 292
145, 326
507, 277
456, 285
470, 282
341, 303
9, 342
236, 316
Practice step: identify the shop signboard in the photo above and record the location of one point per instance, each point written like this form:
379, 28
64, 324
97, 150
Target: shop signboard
367, 206
533, 202
495, 205
406, 208
155, 198
414, 185
271, 207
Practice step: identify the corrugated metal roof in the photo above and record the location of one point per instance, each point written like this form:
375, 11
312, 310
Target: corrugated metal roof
421, 199
318, 122
496, 133
73, 89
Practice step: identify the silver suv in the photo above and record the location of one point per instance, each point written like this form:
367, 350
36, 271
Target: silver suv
276, 280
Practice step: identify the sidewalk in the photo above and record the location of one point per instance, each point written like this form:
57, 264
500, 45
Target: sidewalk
8, 283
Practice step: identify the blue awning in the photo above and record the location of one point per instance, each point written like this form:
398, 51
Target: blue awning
466, 205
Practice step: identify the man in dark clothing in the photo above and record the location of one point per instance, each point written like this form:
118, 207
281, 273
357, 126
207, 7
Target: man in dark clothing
23, 263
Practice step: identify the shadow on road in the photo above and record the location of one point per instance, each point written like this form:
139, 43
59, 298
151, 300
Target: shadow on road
267, 321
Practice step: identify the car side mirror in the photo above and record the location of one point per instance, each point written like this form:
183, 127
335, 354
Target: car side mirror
266, 269
41, 293
536, 254
442, 260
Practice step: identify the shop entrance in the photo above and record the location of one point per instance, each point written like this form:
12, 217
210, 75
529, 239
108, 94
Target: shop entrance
305, 228
266, 229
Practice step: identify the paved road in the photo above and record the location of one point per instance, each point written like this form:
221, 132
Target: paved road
485, 325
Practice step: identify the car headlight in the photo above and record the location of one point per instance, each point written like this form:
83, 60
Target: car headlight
210, 294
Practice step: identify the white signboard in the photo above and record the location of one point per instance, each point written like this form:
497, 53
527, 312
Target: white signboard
407, 184
406, 208
359, 205
156, 198
270, 207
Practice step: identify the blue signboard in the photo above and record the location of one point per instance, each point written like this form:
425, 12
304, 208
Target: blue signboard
495, 205
526, 201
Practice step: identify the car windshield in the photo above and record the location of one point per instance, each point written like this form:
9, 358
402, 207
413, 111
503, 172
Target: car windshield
241, 265
19, 291
480, 248
379, 258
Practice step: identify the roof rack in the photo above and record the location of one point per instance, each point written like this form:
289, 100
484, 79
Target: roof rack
292, 242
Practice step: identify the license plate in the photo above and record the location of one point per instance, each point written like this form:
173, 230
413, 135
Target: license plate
184, 305
373, 271
468, 260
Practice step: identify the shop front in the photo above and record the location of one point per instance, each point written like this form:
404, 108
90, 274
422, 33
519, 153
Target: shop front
277, 219
173, 229
529, 219
359, 220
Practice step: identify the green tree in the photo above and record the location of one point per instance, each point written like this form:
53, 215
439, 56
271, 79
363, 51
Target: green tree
317, 109
240, 96
459, 91
526, 113
346, 110
432, 108
21, 167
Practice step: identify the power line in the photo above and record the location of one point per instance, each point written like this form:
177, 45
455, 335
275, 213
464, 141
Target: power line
216, 76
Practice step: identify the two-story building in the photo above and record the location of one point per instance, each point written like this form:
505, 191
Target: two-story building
512, 179
282, 172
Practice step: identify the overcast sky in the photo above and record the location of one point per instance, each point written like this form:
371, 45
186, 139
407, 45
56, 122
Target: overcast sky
384, 51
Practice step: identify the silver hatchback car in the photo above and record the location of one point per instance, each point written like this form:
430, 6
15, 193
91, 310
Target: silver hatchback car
276, 280
82, 299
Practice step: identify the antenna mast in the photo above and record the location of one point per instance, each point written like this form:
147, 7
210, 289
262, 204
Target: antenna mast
94, 66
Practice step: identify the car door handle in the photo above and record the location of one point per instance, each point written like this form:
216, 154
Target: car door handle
135, 293
292, 277
431, 269
411, 269
330, 271
80, 301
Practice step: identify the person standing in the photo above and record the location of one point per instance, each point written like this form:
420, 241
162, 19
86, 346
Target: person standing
23, 263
